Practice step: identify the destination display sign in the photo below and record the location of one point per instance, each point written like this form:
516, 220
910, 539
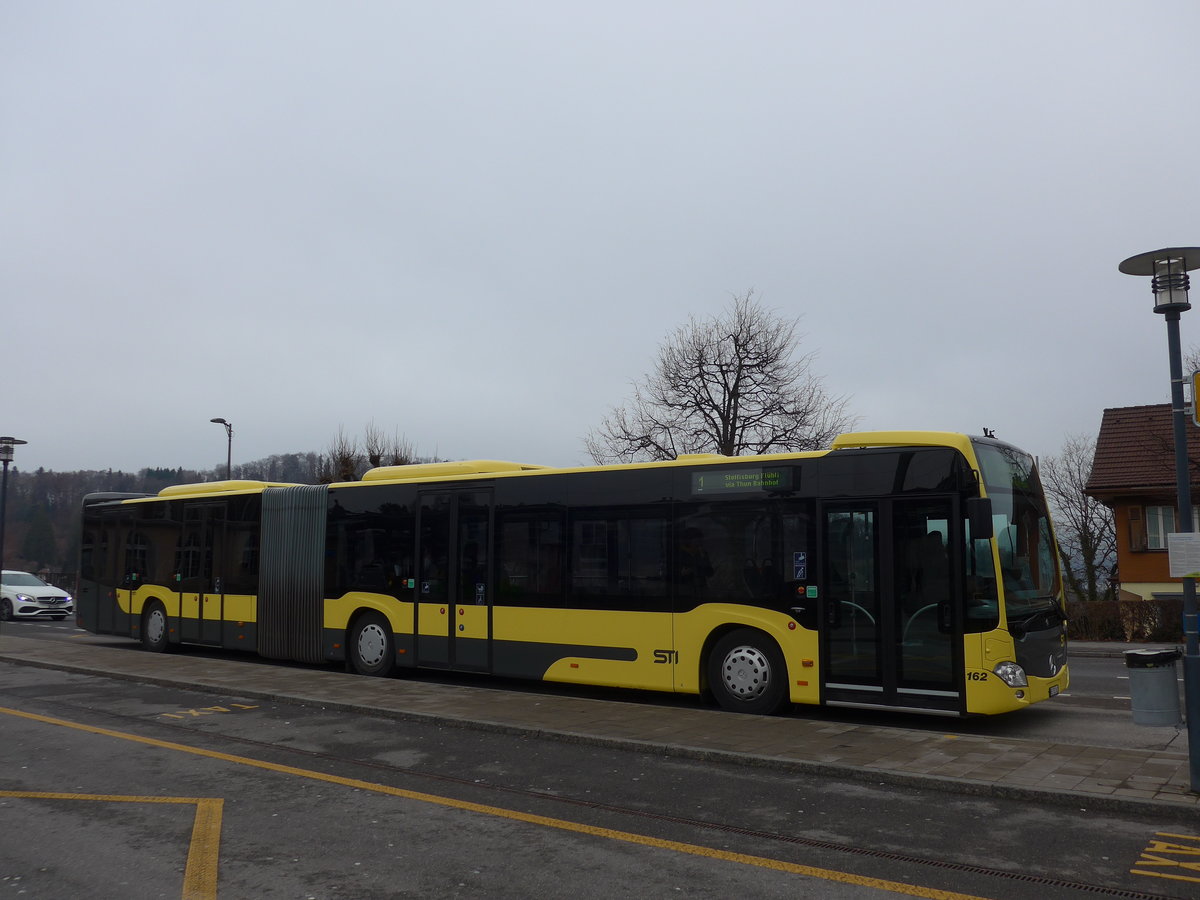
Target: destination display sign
743, 480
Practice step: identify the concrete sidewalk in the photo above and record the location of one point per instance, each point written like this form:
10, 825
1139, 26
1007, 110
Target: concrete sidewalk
1111, 649
1156, 782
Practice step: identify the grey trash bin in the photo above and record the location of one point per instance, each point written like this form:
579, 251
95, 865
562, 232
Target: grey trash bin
1153, 686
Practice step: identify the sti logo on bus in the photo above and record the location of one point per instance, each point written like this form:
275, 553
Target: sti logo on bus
666, 656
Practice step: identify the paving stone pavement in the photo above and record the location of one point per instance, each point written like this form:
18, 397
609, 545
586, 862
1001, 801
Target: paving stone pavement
1095, 777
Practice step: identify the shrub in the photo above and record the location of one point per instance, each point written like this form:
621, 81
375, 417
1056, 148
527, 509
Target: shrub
1095, 620
1157, 620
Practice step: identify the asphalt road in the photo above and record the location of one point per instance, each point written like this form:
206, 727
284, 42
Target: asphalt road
122, 790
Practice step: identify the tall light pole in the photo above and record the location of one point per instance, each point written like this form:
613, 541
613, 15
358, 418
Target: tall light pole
6, 456
229, 447
1169, 268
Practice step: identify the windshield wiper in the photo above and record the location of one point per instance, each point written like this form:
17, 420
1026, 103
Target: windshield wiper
1038, 620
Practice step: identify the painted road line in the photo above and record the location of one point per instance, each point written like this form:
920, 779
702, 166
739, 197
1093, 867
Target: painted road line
1172, 856
515, 815
200, 876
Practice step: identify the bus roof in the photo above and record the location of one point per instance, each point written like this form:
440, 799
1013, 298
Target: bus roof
461, 470
219, 487
441, 469
859, 439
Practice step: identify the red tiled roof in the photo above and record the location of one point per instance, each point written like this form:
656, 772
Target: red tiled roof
1136, 449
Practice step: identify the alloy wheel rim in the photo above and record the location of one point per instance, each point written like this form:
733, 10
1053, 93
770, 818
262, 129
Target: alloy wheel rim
156, 625
372, 643
746, 672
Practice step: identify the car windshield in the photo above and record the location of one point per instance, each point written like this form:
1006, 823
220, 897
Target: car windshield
1028, 559
22, 579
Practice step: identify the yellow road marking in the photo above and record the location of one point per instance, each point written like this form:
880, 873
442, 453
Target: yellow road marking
515, 815
1158, 853
205, 711
200, 876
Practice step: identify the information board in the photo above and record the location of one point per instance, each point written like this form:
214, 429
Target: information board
1183, 553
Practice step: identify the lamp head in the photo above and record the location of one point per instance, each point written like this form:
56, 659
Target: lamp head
1169, 268
6, 448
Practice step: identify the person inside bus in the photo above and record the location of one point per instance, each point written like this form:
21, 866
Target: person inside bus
694, 566
935, 568
928, 579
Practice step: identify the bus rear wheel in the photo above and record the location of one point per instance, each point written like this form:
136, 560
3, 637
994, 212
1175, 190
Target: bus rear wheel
154, 628
372, 651
746, 673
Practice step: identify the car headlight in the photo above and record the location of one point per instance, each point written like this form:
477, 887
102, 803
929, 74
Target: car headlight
1011, 674
24, 598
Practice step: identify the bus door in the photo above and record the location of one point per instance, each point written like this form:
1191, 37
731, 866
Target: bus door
891, 631
114, 525
201, 593
454, 596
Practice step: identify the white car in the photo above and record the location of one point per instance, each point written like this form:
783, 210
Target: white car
25, 596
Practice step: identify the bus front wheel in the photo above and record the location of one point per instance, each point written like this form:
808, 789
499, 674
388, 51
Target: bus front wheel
746, 673
372, 650
154, 628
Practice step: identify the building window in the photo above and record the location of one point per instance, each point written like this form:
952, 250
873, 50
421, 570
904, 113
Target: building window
1160, 521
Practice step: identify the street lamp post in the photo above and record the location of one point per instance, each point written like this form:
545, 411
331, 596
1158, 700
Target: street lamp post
1169, 268
6, 456
229, 447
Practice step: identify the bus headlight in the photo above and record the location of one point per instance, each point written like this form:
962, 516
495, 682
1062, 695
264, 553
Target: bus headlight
1011, 674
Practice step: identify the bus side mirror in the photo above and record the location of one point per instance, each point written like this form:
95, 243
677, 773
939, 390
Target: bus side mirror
979, 516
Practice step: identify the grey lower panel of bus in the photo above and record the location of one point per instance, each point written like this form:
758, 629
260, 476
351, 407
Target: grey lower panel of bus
512, 659
522, 659
291, 574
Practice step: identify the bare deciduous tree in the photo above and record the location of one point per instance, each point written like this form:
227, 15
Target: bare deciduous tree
382, 450
731, 384
374, 444
1083, 525
341, 462
1191, 361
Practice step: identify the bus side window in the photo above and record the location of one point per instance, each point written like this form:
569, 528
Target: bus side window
729, 553
529, 555
620, 560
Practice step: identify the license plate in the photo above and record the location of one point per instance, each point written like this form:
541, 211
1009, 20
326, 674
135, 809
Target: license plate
1054, 690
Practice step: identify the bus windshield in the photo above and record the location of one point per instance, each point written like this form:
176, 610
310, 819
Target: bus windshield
1028, 559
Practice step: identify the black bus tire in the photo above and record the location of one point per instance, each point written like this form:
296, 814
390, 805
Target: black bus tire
371, 646
155, 633
746, 673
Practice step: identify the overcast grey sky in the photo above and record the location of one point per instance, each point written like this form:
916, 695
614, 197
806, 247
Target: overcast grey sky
473, 223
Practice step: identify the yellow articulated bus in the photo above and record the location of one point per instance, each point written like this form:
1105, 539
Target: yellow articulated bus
901, 570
